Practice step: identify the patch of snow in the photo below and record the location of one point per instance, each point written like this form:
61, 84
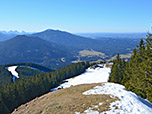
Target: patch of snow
12, 70
101, 103
96, 75
129, 103
89, 111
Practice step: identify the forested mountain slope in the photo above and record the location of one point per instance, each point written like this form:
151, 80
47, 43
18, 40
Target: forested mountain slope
25, 49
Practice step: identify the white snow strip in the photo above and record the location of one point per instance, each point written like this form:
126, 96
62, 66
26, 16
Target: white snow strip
90, 76
12, 70
129, 103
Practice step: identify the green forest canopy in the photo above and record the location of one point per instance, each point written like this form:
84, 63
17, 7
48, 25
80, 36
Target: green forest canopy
136, 74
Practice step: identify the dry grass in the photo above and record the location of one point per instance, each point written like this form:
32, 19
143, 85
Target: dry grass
90, 53
108, 65
67, 101
122, 56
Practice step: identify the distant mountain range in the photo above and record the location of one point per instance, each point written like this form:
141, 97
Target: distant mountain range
6, 35
55, 49
14, 32
112, 35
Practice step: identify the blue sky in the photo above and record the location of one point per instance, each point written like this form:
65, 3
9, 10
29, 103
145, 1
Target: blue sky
76, 16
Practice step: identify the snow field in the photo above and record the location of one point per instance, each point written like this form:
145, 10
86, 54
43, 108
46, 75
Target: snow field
89, 76
12, 70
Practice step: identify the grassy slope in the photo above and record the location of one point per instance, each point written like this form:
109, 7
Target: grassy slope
66, 101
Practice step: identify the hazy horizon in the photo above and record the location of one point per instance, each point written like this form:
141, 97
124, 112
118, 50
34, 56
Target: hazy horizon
22, 31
